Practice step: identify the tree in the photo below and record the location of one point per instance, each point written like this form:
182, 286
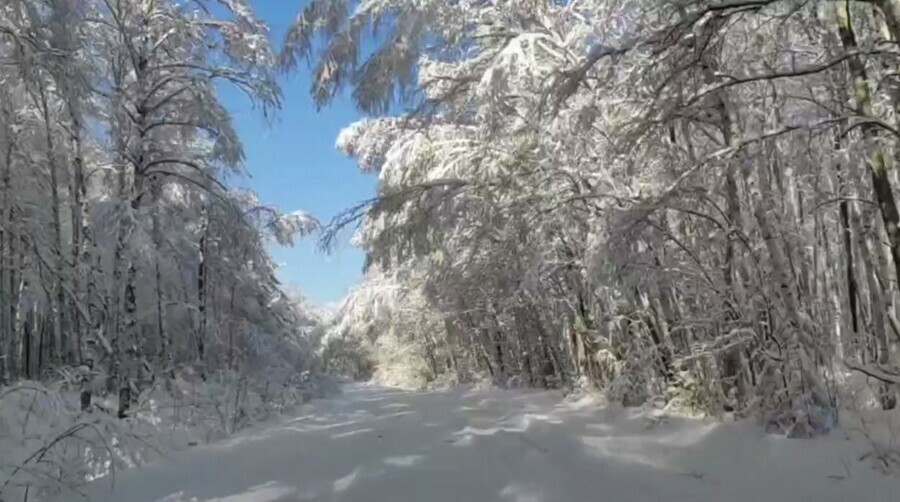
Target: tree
623, 193
113, 191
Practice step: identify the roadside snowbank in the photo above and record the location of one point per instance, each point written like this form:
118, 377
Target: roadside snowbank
48, 444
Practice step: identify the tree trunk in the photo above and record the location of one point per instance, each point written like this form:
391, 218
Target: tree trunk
7, 264
876, 162
15, 287
28, 343
80, 314
59, 300
201, 294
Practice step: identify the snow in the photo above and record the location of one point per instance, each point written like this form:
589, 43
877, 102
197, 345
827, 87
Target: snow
373, 443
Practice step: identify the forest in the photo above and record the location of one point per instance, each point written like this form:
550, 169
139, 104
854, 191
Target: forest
683, 201
129, 267
689, 204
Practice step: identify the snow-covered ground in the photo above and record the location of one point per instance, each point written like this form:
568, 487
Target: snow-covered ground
375, 444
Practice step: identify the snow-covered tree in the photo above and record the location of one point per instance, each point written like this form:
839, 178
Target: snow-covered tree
126, 260
685, 199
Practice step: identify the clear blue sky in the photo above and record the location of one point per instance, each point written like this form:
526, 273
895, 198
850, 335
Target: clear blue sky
294, 165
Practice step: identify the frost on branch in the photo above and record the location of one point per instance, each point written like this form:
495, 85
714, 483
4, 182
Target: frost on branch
136, 292
368, 141
679, 202
287, 227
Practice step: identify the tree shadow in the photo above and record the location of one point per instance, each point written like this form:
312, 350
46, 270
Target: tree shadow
376, 444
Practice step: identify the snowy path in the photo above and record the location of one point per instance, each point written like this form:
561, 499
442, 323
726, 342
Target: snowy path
374, 444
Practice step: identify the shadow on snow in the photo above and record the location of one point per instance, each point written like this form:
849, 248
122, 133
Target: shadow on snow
377, 444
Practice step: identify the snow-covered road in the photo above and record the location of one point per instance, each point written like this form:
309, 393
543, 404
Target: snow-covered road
375, 444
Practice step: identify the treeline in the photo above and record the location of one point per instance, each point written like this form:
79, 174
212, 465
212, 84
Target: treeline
692, 201
124, 256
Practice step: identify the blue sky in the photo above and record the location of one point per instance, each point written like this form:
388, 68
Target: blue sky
293, 165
